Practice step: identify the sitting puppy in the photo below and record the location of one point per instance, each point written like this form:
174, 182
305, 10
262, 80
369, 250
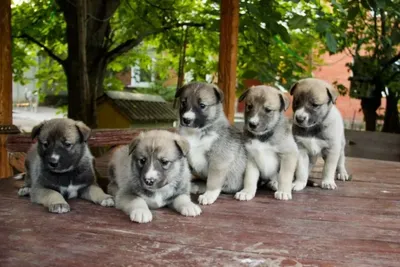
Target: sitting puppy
60, 166
217, 152
269, 142
318, 130
152, 172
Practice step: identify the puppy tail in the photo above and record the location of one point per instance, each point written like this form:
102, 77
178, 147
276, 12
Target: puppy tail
19, 176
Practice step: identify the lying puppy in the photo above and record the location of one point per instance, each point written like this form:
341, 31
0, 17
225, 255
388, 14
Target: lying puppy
60, 166
152, 172
318, 130
217, 152
269, 142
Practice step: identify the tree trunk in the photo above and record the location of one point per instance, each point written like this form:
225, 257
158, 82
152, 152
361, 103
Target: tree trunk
391, 122
369, 106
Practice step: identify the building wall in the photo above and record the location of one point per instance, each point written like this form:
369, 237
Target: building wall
109, 118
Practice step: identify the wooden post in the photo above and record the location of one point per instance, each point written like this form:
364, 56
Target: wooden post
5, 83
228, 49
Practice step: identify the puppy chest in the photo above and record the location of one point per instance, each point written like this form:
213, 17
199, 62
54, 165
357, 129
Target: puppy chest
314, 146
265, 156
70, 191
157, 200
199, 147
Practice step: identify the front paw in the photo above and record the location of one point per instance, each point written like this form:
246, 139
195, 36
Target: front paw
273, 184
59, 208
141, 216
342, 175
24, 191
108, 202
283, 195
191, 210
245, 195
299, 185
209, 197
328, 185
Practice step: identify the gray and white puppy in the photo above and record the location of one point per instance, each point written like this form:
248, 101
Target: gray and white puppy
217, 152
150, 173
272, 151
59, 166
318, 130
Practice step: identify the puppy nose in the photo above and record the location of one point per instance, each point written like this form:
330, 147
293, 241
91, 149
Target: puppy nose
300, 118
253, 125
53, 163
186, 121
149, 182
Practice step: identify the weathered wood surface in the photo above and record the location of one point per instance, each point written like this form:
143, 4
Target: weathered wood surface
228, 51
5, 81
356, 225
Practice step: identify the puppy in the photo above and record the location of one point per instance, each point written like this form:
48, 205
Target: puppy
152, 172
269, 142
217, 152
59, 166
318, 130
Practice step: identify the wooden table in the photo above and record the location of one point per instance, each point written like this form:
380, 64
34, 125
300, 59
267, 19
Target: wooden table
356, 225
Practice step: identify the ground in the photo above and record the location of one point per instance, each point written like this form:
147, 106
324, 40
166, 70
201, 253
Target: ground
25, 119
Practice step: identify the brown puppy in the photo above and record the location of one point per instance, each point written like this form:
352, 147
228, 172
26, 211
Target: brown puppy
60, 166
318, 130
272, 151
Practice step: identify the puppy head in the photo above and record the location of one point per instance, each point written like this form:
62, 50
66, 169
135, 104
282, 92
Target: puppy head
264, 107
312, 101
61, 143
200, 104
158, 157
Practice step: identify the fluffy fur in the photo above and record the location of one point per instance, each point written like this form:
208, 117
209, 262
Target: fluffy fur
272, 151
318, 130
150, 173
217, 153
60, 166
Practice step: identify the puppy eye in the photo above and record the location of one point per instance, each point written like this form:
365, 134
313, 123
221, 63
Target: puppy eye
315, 105
183, 103
67, 144
249, 106
45, 144
202, 106
165, 163
267, 110
142, 161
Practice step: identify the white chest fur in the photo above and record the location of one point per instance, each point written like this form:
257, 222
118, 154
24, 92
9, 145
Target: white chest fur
71, 190
265, 156
198, 149
313, 145
156, 201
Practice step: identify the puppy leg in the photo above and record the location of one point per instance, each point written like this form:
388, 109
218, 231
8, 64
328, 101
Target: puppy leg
95, 194
328, 172
135, 207
198, 187
49, 198
302, 171
184, 205
286, 174
215, 180
341, 173
112, 188
26, 188
251, 177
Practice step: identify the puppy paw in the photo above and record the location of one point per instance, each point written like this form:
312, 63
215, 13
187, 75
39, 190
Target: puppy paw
328, 185
107, 202
59, 208
342, 175
299, 185
191, 210
245, 195
24, 191
283, 195
141, 216
273, 184
209, 197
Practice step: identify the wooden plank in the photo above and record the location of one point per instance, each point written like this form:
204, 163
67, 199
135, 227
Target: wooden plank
228, 49
5, 82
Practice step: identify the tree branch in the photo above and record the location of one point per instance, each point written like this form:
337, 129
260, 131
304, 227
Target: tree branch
45, 48
131, 43
390, 62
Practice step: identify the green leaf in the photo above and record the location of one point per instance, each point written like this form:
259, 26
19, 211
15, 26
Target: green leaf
322, 26
297, 22
331, 42
283, 33
353, 12
380, 3
250, 74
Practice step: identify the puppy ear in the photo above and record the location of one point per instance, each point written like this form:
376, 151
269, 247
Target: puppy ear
135, 142
285, 101
292, 88
243, 96
84, 130
332, 93
183, 145
218, 93
36, 130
